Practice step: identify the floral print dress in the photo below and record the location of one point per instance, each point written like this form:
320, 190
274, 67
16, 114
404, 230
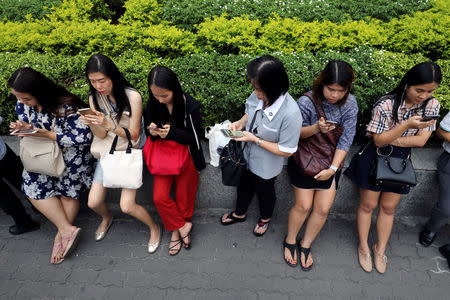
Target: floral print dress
74, 138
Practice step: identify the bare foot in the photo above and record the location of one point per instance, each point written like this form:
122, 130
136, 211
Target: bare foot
227, 219
288, 255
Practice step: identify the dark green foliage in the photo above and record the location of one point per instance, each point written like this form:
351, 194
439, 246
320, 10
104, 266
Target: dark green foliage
187, 13
14, 10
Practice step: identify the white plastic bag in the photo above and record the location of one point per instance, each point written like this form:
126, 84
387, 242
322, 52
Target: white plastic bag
216, 140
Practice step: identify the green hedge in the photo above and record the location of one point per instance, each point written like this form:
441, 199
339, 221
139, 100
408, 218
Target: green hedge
14, 10
70, 30
218, 81
188, 13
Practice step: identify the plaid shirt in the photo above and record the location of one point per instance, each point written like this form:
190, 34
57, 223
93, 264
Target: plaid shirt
383, 120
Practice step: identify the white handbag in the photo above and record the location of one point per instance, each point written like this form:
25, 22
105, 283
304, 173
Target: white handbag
216, 141
122, 169
41, 155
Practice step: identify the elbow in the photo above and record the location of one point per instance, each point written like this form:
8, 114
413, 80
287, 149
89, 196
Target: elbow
287, 155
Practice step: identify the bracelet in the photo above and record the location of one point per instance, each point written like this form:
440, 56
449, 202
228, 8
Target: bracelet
259, 142
333, 168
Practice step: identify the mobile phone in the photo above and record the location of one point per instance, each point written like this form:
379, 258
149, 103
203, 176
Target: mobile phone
331, 122
232, 133
429, 118
24, 131
86, 111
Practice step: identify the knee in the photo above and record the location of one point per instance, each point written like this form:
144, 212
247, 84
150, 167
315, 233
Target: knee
321, 212
92, 203
301, 208
387, 209
367, 207
127, 208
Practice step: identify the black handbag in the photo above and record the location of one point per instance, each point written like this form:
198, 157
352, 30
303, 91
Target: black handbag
232, 161
394, 172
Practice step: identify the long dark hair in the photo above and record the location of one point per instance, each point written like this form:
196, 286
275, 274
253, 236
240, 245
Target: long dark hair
103, 64
49, 95
271, 76
336, 71
165, 78
423, 73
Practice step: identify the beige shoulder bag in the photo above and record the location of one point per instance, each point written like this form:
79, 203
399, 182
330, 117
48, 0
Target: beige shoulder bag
41, 155
102, 146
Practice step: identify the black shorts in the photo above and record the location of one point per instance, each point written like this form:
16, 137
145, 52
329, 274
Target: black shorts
307, 182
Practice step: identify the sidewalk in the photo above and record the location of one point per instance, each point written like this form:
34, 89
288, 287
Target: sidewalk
224, 263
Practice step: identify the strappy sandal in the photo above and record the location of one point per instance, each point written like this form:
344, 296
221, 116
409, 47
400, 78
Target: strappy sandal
233, 219
306, 252
177, 242
187, 246
261, 224
293, 249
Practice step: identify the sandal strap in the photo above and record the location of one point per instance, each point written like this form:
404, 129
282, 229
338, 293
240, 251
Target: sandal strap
173, 246
262, 223
291, 247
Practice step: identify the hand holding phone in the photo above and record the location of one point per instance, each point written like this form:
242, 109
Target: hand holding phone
429, 118
23, 131
232, 133
85, 111
329, 122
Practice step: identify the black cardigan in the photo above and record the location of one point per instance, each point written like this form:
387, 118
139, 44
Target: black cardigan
189, 136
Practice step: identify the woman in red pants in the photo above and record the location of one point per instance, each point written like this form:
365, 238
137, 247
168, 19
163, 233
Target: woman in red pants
174, 122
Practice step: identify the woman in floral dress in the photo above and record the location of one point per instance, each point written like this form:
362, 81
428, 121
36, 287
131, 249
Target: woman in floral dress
51, 111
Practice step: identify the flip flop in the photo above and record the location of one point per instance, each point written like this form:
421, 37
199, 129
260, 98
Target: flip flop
56, 248
233, 219
72, 241
293, 249
306, 252
261, 224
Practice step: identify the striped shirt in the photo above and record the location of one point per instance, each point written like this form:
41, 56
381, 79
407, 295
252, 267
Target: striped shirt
383, 119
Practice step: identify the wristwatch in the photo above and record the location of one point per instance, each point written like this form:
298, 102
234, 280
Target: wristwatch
259, 142
333, 168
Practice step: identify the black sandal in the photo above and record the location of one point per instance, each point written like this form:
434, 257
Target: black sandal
187, 246
306, 252
173, 247
233, 219
293, 249
260, 224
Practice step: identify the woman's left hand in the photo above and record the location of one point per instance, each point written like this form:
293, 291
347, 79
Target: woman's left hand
248, 137
164, 131
324, 175
42, 133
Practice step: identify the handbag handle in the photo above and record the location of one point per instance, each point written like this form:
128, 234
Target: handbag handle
388, 162
113, 146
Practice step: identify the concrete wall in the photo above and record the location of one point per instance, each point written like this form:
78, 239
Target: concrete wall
212, 195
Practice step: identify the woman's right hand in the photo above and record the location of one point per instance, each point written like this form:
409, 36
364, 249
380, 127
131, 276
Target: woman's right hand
324, 127
153, 129
236, 125
417, 123
19, 125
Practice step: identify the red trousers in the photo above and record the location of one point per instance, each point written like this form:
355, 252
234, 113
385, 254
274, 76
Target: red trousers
175, 213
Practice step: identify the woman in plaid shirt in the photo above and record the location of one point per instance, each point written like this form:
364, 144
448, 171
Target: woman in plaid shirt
396, 126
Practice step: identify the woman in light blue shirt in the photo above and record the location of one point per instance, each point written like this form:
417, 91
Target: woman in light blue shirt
275, 122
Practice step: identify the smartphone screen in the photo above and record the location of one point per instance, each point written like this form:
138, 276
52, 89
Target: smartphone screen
232, 133
26, 131
429, 118
331, 122
86, 111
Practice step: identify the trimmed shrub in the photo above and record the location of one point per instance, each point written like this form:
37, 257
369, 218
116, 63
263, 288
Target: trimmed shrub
141, 11
16, 11
187, 13
218, 81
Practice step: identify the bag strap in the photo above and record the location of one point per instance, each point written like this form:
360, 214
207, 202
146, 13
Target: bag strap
318, 106
249, 129
113, 146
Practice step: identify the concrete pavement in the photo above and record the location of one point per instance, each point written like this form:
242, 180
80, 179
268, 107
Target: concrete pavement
224, 263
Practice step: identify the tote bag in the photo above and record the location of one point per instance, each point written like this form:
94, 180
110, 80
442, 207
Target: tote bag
41, 155
122, 169
164, 157
216, 141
